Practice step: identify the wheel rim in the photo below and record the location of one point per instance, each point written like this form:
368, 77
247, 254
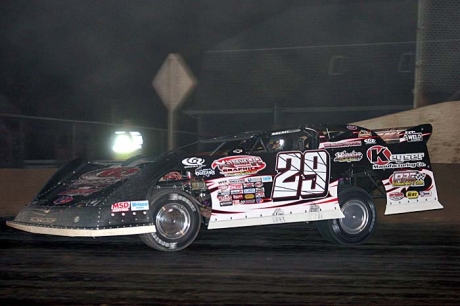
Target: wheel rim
356, 217
173, 221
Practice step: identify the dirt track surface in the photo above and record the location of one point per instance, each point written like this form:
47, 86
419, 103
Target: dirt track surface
416, 264
412, 259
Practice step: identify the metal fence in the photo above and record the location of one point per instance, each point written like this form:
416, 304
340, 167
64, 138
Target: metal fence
438, 59
27, 141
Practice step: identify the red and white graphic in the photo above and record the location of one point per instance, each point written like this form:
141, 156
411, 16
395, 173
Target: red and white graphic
63, 200
396, 196
121, 207
239, 165
382, 158
110, 174
301, 175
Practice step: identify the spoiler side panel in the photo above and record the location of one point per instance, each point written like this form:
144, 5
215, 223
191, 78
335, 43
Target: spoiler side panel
409, 180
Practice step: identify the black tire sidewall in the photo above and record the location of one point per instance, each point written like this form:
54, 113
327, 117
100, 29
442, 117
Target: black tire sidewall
159, 200
345, 238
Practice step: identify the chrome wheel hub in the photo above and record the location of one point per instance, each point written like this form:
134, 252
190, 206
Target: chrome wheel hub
173, 221
356, 217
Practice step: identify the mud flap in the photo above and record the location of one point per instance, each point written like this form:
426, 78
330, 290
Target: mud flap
403, 200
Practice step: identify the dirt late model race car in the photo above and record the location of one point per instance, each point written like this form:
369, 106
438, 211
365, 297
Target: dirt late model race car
327, 174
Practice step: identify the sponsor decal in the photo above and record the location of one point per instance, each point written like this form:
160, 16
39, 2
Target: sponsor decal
89, 202
278, 216
236, 202
249, 185
139, 205
260, 194
247, 201
237, 191
250, 190
226, 203
43, 220
396, 196
96, 180
382, 158
236, 186
413, 136
249, 196
239, 165
352, 127
412, 194
112, 175
223, 192
223, 198
256, 179
204, 172
235, 181
121, 206
344, 144
237, 197
258, 184
63, 200
224, 187
193, 162
348, 157
426, 193
407, 178
314, 208
79, 192
370, 141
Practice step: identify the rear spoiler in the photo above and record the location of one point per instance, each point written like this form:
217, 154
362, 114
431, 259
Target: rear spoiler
417, 133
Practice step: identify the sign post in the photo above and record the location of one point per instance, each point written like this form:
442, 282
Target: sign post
174, 82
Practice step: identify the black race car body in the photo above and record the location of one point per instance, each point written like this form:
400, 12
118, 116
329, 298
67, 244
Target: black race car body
329, 174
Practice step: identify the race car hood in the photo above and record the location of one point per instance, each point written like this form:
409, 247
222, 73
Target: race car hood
88, 199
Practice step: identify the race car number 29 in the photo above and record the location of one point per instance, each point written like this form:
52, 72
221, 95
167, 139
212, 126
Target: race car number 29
301, 175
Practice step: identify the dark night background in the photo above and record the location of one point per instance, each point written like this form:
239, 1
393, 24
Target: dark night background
259, 64
76, 59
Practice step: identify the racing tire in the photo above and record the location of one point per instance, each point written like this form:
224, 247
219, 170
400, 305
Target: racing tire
359, 221
177, 219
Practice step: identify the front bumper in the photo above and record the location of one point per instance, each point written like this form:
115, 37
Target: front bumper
81, 221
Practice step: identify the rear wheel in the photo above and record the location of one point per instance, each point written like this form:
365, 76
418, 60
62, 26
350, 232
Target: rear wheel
176, 218
359, 221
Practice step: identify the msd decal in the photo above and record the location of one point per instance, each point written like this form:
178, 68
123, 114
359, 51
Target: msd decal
239, 165
382, 158
121, 206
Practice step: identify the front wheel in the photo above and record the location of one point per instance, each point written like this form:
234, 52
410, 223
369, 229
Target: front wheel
177, 220
359, 221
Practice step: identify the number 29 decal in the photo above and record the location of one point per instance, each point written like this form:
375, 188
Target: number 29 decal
301, 175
